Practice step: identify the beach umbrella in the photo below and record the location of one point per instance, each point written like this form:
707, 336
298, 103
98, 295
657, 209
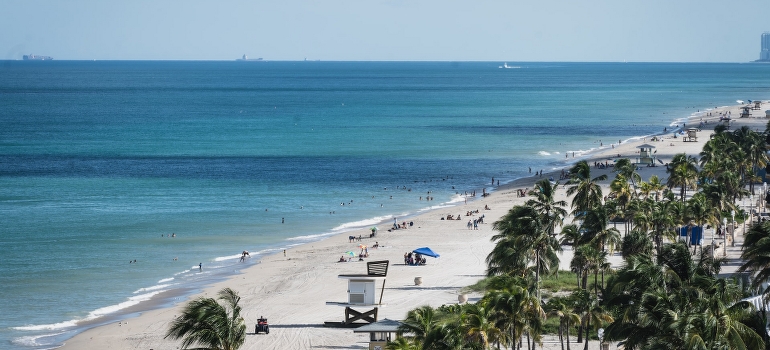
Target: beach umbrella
350, 253
426, 251
362, 246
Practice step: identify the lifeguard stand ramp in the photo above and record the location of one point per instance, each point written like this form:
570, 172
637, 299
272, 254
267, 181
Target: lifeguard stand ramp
362, 293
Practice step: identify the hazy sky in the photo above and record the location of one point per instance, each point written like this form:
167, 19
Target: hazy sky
473, 30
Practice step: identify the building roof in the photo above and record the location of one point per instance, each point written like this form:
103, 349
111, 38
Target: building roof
385, 325
646, 145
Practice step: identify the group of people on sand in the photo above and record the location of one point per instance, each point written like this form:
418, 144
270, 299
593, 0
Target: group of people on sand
604, 165
474, 224
401, 226
363, 254
413, 259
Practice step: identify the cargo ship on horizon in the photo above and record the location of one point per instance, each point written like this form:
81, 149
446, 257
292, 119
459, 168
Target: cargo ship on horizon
31, 57
246, 58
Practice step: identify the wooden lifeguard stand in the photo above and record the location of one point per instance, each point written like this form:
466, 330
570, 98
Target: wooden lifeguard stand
362, 292
745, 112
646, 155
691, 136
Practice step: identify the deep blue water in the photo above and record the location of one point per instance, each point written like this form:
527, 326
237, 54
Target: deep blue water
98, 160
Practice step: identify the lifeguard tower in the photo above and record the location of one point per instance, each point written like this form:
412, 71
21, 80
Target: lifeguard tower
691, 136
362, 292
745, 112
757, 105
646, 155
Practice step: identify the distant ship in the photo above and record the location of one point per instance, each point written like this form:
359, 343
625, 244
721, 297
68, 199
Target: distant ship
37, 58
505, 65
246, 58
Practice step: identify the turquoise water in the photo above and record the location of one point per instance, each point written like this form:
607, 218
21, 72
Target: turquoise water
100, 161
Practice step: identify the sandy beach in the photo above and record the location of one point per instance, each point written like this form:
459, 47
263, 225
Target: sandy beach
292, 290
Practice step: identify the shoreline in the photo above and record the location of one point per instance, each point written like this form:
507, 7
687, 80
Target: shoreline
320, 256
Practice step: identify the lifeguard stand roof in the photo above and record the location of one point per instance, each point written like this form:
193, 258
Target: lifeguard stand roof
374, 270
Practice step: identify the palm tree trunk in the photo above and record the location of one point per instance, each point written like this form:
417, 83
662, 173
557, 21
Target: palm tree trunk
537, 274
588, 329
528, 343
577, 275
580, 331
602, 278
567, 335
561, 334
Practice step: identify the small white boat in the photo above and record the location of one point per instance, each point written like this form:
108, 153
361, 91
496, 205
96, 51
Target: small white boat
505, 65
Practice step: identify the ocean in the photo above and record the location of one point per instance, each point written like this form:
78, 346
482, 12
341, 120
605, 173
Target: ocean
101, 162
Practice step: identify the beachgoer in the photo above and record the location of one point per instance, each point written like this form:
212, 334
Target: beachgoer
200, 266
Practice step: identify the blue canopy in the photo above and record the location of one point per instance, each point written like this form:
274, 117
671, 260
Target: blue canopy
426, 251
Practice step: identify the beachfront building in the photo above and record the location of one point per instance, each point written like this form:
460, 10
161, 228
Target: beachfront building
764, 55
380, 333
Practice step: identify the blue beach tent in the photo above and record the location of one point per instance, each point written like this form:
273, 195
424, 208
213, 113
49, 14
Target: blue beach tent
426, 251
696, 235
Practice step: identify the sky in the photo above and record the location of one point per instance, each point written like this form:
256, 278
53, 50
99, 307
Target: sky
386, 30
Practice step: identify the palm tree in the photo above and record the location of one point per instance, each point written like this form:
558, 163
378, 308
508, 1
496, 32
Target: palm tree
586, 190
675, 304
603, 236
518, 310
544, 203
478, 321
652, 186
420, 322
403, 343
635, 243
524, 238
627, 169
683, 173
622, 192
756, 254
559, 307
570, 235
212, 325
597, 316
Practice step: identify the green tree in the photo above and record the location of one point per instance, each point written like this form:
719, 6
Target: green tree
551, 210
559, 307
635, 243
756, 254
682, 173
523, 238
624, 167
478, 320
586, 190
211, 325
